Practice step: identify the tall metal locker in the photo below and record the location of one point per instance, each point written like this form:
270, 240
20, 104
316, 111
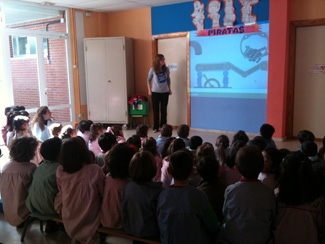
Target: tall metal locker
109, 78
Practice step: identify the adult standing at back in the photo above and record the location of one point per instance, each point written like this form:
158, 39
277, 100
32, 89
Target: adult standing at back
41, 121
160, 90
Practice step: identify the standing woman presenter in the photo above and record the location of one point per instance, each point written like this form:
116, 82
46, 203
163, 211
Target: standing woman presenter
160, 90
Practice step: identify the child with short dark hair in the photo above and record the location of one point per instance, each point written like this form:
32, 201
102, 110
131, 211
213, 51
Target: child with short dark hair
135, 141
183, 131
142, 131
301, 208
16, 179
240, 135
195, 142
105, 141
166, 132
139, 197
249, 207
259, 142
83, 128
81, 186
267, 132
42, 192
310, 149
184, 213
96, 129
305, 135
117, 161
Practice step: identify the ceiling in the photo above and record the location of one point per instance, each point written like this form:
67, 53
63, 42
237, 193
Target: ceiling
108, 5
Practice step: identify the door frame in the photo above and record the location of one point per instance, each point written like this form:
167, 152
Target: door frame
293, 25
155, 39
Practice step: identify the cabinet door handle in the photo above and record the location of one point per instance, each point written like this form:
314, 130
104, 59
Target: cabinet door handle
109, 81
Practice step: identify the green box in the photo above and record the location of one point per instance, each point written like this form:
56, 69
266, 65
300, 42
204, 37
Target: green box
142, 109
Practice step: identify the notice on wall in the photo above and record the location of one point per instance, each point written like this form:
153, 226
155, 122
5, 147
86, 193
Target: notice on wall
317, 69
173, 67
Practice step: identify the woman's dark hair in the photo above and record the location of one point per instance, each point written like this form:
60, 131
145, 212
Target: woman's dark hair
94, 131
134, 140
174, 146
183, 131
164, 152
39, 117
84, 125
150, 145
222, 143
142, 167
50, 148
240, 135
208, 168
74, 154
166, 130
23, 149
142, 130
297, 182
117, 161
233, 151
156, 64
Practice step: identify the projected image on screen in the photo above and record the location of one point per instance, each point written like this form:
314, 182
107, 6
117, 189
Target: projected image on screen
229, 77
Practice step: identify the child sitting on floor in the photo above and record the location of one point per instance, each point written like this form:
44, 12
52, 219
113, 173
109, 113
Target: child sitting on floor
249, 207
150, 145
67, 132
105, 141
42, 192
195, 142
84, 130
116, 130
166, 132
142, 131
139, 198
305, 135
183, 131
267, 132
16, 179
117, 161
96, 129
55, 129
184, 213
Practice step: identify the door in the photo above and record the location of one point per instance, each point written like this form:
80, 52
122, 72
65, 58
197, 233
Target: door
96, 73
309, 113
116, 74
174, 50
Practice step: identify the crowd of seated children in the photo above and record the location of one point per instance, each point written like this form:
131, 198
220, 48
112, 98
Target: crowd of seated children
175, 145
96, 129
16, 178
142, 132
222, 151
43, 190
81, 187
195, 142
139, 197
116, 130
183, 131
267, 132
41, 121
106, 141
166, 132
249, 208
117, 162
184, 213
208, 167
150, 145
270, 172
83, 129
67, 132
301, 208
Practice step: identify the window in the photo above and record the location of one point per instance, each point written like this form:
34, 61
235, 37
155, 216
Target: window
26, 46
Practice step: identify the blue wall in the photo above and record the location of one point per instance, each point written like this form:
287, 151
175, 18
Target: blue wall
177, 17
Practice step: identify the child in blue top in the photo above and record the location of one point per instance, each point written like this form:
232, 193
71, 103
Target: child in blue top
249, 207
184, 213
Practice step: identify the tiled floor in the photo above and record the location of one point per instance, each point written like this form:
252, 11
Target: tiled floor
9, 234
